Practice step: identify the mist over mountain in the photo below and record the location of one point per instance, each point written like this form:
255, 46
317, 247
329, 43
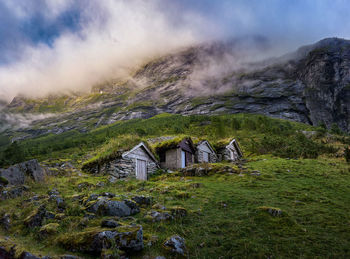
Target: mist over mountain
310, 85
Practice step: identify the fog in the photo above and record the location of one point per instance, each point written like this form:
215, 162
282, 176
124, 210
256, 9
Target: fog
107, 39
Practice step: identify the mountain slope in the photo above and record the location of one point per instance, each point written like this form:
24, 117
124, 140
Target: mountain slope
310, 85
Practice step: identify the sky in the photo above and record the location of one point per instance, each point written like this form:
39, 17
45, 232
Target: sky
49, 46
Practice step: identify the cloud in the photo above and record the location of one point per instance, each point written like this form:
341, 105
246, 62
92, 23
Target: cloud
113, 38
50, 46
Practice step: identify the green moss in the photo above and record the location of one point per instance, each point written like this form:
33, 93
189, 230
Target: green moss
49, 229
3, 181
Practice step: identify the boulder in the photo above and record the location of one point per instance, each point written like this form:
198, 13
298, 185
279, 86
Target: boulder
19, 173
126, 238
142, 200
175, 244
105, 207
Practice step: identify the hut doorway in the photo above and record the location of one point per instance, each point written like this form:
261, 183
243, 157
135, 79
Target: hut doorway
141, 169
183, 159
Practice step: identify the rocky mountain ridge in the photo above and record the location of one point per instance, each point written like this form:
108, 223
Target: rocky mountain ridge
311, 85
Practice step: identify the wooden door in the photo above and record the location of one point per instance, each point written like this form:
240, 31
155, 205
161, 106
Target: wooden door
183, 159
205, 157
141, 169
188, 158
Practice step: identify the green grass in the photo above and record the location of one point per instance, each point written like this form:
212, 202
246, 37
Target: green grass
252, 131
225, 216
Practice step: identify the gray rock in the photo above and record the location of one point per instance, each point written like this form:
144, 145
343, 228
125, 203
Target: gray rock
58, 200
27, 255
274, 212
175, 244
107, 207
13, 192
157, 216
36, 219
84, 185
112, 179
53, 192
109, 223
142, 200
126, 238
19, 173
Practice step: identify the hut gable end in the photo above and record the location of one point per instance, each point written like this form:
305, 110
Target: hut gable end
205, 153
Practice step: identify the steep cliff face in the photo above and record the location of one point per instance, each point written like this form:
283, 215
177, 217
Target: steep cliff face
325, 72
311, 85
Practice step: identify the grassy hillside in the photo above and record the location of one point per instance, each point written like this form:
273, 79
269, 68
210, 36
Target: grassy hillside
257, 134
290, 199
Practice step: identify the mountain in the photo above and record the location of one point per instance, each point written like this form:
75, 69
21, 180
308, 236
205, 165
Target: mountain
310, 85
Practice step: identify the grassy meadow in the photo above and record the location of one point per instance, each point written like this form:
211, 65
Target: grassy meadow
306, 179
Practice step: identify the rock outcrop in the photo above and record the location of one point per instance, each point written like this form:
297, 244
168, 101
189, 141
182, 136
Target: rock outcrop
19, 173
311, 85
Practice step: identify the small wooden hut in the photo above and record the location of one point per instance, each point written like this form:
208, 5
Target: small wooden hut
231, 152
176, 153
205, 153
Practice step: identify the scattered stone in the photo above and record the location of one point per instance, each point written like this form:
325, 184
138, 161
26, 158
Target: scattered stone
107, 194
157, 216
142, 200
13, 192
255, 174
275, 212
158, 206
109, 223
175, 244
36, 218
105, 207
53, 192
59, 201
84, 185
112, 179
19, 173
126, 238
178, 212
27, 255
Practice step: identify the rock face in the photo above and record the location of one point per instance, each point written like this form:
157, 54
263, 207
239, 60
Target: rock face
311, 85
18, 174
